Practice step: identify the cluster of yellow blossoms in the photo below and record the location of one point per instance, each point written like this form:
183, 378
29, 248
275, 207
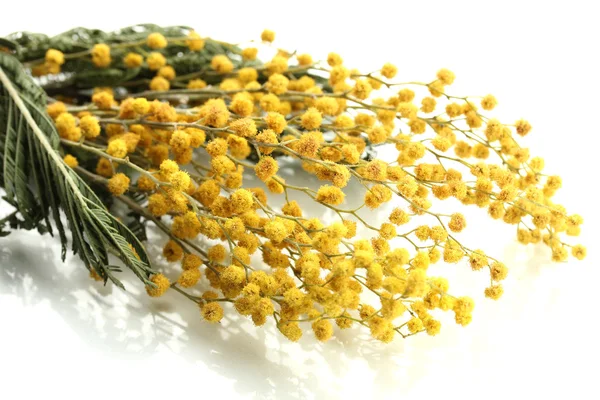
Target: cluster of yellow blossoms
186, 148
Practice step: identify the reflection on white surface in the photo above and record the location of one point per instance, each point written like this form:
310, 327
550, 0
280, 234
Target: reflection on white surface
536, 337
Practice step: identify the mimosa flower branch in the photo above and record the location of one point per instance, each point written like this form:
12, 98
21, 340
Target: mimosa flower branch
172, 125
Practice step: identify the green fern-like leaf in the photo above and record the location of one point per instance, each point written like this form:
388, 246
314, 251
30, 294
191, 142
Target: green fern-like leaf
39, 184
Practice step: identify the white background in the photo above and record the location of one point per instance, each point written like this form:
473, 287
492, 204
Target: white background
64, 336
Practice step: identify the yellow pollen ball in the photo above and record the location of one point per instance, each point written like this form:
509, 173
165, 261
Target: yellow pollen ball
55, 57
155, 61
222, 64
266, 168
457, 222
212, 312
71, 161
161, 283
118, 184
159, 84
101, 55
267, 36
194, 41
156, 41
133, 60
330, 195
389, 70
90, 127
117, 148
249, 53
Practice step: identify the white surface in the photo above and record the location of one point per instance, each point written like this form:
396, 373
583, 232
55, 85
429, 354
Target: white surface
64, 336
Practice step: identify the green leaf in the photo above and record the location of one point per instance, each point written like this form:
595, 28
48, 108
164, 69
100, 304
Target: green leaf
83, 74
39, 184
9, 44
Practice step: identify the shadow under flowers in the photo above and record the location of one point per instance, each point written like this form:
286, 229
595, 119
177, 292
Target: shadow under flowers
262, 363
130, 325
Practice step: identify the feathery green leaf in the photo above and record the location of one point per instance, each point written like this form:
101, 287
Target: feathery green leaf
39, 184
